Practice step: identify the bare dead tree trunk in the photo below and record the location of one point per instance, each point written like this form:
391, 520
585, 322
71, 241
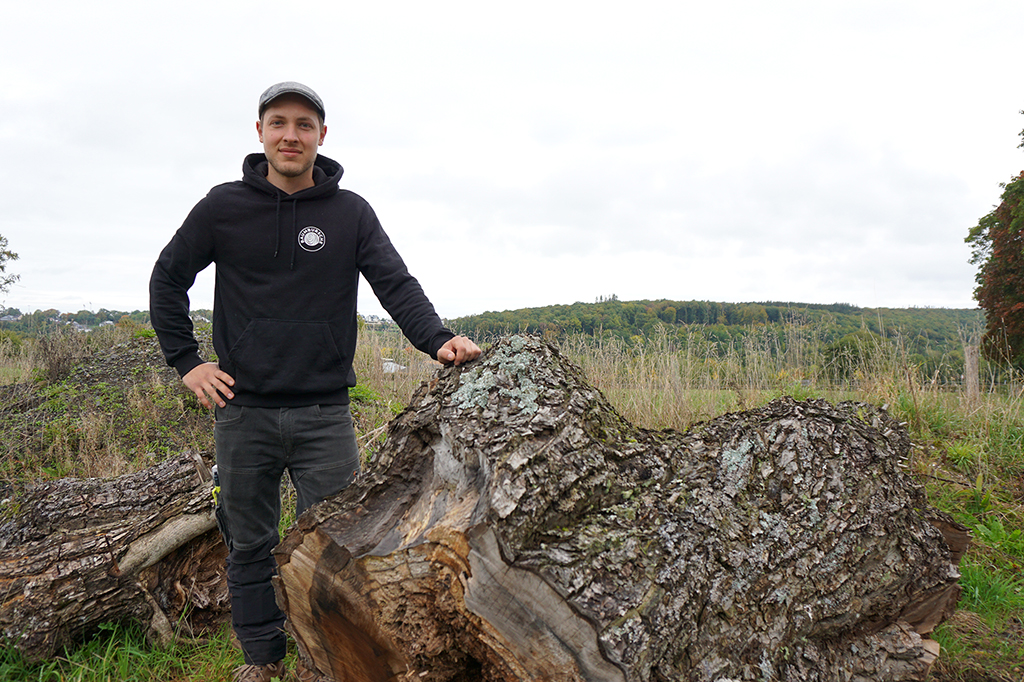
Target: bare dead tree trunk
971, 374
81, 552
515, 527
970, 338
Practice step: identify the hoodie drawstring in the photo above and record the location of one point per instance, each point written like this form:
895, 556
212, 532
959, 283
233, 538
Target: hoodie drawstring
277, 246
295, 229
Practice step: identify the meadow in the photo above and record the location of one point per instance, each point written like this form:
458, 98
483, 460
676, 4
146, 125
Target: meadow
102, 404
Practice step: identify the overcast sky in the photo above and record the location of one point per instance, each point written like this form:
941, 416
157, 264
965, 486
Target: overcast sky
528, 154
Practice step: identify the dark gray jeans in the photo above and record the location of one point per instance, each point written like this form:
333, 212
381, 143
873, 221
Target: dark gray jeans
317, 445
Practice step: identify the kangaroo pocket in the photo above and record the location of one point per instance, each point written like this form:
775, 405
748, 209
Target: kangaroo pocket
287, 356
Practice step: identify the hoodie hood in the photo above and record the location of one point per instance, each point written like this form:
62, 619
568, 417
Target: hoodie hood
326, 176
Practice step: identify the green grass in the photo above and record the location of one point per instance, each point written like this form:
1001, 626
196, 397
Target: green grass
969, 458
994, 593
121, 653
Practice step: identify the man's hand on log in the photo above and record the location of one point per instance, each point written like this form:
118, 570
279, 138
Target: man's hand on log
458, 350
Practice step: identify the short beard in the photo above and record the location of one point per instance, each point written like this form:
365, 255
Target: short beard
290, 172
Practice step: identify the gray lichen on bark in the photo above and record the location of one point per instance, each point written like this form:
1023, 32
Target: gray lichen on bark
509, 373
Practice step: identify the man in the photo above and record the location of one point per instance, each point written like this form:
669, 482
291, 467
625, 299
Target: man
289, 247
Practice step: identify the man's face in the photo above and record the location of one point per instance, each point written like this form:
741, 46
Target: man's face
290, 131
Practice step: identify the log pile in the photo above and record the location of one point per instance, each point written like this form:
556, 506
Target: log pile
515, 527
81, 552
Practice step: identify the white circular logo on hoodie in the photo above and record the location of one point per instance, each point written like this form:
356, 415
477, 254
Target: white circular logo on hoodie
311, 238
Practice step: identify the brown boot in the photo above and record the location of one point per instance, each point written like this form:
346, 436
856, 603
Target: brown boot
259, 673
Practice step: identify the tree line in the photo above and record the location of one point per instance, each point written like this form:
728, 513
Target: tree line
931, 338
627, 319
43, 321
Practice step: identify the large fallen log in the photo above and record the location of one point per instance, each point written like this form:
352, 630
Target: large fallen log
515, 527
76, 553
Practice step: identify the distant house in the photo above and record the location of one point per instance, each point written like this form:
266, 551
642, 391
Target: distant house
375, 322
390, 366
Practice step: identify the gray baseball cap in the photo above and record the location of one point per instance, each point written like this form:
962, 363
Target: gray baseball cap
291, 87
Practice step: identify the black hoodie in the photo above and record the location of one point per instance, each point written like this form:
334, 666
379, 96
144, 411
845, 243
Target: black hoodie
288, 265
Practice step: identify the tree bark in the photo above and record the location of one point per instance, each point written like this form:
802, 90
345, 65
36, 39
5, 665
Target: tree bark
971, 383
142, 547
515, 527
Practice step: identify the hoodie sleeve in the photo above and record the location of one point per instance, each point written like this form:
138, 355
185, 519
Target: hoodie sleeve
188, 253
396, 289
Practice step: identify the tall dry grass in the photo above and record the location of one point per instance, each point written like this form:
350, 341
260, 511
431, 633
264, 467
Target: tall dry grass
374, 348
381, 394
674, 380
17, 360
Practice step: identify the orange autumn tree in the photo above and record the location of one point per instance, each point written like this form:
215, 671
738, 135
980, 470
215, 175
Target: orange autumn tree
997, 243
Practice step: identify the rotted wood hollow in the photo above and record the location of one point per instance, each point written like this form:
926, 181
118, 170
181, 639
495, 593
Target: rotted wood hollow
142, 547
515, 527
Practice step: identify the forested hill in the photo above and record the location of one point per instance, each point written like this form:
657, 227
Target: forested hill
935, 329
